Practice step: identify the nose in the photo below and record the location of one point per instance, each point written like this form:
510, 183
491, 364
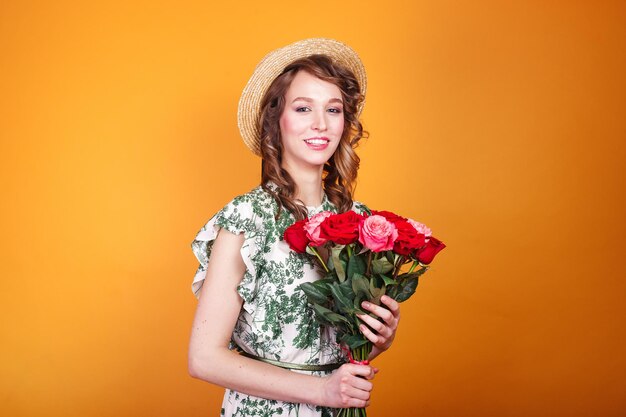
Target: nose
319, 121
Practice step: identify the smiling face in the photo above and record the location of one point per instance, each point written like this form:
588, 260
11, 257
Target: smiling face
312, 121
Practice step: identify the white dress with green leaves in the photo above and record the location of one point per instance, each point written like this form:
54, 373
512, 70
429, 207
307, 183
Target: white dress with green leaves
276, 322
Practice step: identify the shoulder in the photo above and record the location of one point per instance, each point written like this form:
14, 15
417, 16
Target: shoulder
257, 195
256, 201
255, 207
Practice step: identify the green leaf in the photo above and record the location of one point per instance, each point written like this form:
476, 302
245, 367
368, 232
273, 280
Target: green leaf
319, 315
376, 281
392, 291
360, 285
316, 292
346, 288
377, 289
406, 289
343, 302
353, 341
381, 266
329, 316
414, 274
356, 265
388, 280
358, 299
376, 294
328, 279
338, 263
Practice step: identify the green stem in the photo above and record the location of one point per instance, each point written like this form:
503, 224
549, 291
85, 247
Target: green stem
316, 253
415, 263
397, 267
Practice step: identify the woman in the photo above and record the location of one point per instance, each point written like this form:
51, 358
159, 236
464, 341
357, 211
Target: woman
299, 112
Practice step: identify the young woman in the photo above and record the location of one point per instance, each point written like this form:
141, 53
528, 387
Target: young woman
299, 112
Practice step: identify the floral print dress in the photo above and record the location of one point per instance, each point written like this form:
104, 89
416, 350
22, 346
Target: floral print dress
276, 321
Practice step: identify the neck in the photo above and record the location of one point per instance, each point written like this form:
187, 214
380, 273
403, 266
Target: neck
308, 185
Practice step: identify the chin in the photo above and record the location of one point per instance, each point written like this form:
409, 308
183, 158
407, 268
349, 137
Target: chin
319, 160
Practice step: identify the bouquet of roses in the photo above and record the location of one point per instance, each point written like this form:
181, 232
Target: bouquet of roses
369, 256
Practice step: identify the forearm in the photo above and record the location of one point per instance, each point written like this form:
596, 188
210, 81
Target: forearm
231, 370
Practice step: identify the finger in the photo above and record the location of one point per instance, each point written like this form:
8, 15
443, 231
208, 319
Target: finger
393, 305
355, 403
374, 372
375, 325
381, 312
360, 370
371, 336
361, 384
356, 388
354, 393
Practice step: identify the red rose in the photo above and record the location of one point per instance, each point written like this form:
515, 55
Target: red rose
428, 252
391, 217
408, 240
296, 237
342, 228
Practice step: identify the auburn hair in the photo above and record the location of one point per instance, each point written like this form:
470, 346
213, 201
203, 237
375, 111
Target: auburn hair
340, 172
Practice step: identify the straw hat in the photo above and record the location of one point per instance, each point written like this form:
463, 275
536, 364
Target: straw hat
273, 64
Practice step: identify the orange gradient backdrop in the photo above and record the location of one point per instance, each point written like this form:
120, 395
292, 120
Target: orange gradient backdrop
501, 125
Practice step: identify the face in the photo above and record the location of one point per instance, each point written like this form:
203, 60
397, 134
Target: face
311, 124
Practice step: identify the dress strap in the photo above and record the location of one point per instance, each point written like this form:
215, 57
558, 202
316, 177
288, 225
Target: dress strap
287, 365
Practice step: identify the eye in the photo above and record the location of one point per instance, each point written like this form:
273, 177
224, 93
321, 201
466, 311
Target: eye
335, 110
302, 109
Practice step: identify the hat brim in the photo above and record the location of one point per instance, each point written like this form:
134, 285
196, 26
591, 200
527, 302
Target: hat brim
273, 64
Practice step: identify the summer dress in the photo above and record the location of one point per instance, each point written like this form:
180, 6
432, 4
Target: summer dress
275, 322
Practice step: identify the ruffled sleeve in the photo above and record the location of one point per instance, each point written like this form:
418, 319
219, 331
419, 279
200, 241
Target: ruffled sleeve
237, 217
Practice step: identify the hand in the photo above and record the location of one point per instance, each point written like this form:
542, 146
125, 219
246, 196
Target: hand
349, 386
380, 333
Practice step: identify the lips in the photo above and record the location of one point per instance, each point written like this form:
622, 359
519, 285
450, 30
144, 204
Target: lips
317, 141
317, 144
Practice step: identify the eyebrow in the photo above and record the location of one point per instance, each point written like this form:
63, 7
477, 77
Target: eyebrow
310, 100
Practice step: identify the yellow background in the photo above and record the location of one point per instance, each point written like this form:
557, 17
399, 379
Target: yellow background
501, 125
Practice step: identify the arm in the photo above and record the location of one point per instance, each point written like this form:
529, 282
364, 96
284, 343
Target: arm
211, 360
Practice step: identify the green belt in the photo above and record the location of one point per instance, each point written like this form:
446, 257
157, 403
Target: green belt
287, 365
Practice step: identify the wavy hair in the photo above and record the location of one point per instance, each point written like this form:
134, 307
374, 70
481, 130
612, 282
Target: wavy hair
340, 171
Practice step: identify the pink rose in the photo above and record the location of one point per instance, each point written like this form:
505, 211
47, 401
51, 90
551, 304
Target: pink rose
377, 234
421, 228
312, 228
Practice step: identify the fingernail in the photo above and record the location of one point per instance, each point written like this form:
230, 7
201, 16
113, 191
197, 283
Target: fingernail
365, 304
